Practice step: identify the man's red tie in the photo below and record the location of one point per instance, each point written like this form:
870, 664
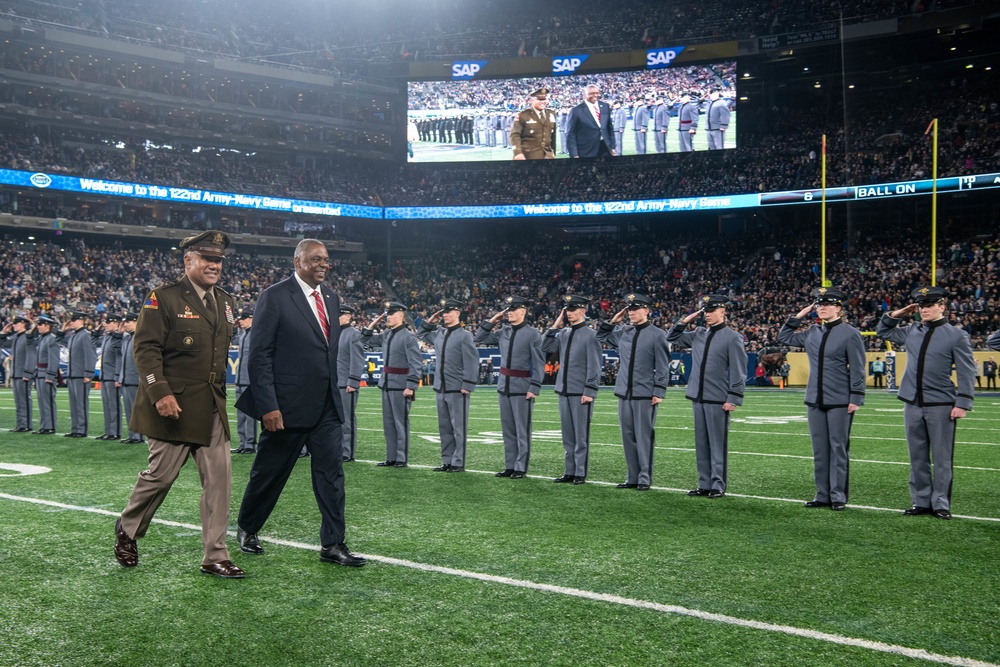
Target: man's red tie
323, 322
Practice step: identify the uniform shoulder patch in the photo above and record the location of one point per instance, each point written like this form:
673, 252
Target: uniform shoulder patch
151, 302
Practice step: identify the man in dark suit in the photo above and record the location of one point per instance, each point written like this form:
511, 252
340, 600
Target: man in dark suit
293, 391
588, 129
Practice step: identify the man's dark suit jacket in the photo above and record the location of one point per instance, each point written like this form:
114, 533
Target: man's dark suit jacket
583, 136
291, 366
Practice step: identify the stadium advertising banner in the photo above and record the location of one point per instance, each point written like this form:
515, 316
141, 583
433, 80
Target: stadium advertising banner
184, 195
469, 118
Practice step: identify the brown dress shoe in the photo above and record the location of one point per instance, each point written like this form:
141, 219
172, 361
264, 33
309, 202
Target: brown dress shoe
126, 550
224, 569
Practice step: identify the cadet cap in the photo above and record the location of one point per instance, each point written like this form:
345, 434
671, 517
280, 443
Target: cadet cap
129, 317
926, 296
829, 295
572, 301
77, 315
248, 312
45, 319
514, 302
713, 301
112, 318
636, 301
452, 304
21, 318
394, 307
211, 243
344, 310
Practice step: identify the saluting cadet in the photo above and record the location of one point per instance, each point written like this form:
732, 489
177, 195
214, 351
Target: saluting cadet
402, 366
522, 366
643, 367
933, 403
111, 356
715, 388
46, 375
687, 123
456, 377
128, 376
80, 373
23, 352
718, 121
640, 123
533, 132
661, 123
577, 382
246, 425
619, 121
835, 391
350, 366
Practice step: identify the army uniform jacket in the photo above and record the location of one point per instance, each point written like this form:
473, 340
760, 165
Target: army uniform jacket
533, 134
932, 348
402, 363
643, 359
718, 363
23, 351
48, 357
128, 374
82, 354
180, 348
350, 358
457, 359
718, 115
242, 340
579, 359
687, 117
522, 364
993, 342
111, 355
837, 366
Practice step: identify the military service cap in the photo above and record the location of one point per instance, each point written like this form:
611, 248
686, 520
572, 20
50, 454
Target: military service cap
211, 243
829, 295
248, 312
45, 319
636, 301
394, 307
571, 301
110, 317
77, 315
129, 317
514, 302
541, 93
926, 296
452, 304
344, 310
713, 301
21, 319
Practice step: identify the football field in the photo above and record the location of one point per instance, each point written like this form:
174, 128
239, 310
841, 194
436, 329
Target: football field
469, 569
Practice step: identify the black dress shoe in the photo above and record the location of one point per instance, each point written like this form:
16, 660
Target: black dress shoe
456, 469
341, 555
715, 493
224, 569
579, 480
442, 468
816, 503
642, 487
838, 507
625, 485
517, 474
506, 473
69, 435
564, 479
942, 514
126, 550
916, 510
348, 458
385, 464
78, 435
699, 492
19, 430
248, 542
399, 464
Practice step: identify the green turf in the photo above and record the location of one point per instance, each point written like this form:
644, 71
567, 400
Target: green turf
867, 573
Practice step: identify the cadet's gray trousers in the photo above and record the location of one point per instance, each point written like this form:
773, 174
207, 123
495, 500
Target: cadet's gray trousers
638, 419
22, 403
46, 392
575, 419
79, 404
930, 436
711, 445
453, 426
112, 408
515, 423
396, 425
349, 430
128, 399
830, 432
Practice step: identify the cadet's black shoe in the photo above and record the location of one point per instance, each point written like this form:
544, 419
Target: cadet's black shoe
506, 473
442, 468
19, 430
579, 480
517, 474
626, 485
347, 459
942, 514
699, 492
248, 542
400, 464
385, 464
816, 503
838, 507
715, 493
341, 555
77, 435
916, 510
642, 487
563, 479
456, 469
131, 441
44, 431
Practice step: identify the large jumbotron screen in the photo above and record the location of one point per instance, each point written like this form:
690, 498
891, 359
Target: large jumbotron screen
466, 121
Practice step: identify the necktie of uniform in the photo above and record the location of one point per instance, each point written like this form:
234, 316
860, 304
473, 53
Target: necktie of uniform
321, 310
210, 304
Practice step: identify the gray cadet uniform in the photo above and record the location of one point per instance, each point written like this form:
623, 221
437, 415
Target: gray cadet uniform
46, 378
619, 121
402, 367
111, 357
687, 120
457, 371
128, 378
661, 122
993, 342
579, 375
929, 394
350, 366
718, 376
837, 371
522, 367
643, 371
82, 362
718, 122
246, 425
23, 350
640, 123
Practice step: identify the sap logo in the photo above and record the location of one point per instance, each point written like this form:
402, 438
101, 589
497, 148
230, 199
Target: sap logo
466, 69
41, 180
657, 58
568, 64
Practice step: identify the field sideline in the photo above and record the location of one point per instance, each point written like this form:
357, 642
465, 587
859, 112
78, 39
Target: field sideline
468, 569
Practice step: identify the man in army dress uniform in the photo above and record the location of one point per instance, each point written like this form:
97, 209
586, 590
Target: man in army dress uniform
533, 134
47, 374
715, 389
687, 123
181, 348
522, 366
717, 116
933, 405
456, 378
81, 367
111, 356
402, 367
128, 376
246, 425
350, 366
644, 365
23, 351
